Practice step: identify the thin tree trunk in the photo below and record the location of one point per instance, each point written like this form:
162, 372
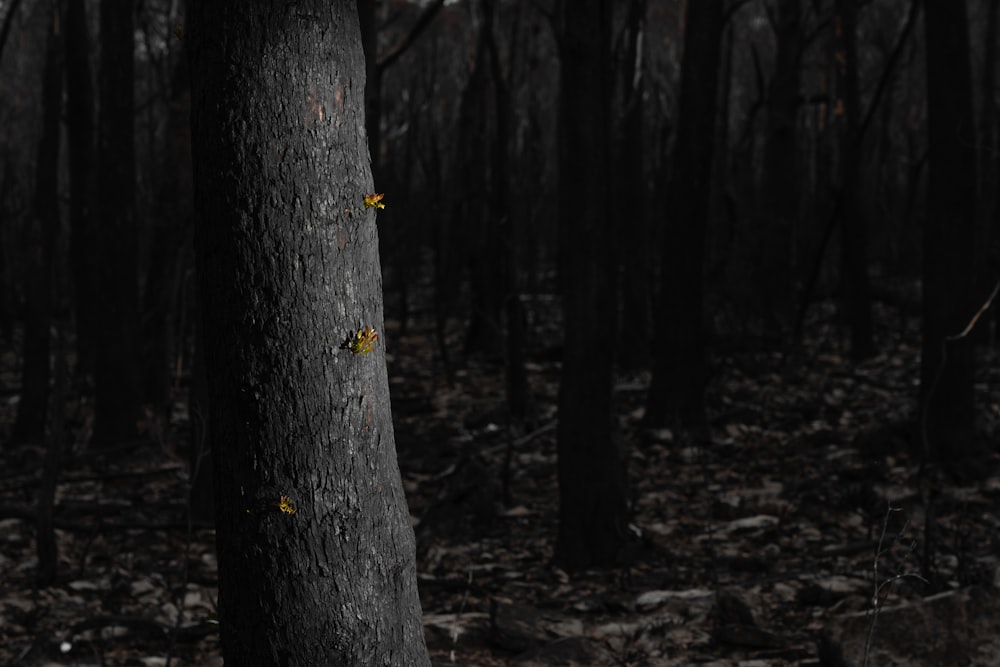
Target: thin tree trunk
118, 390
854, 227
634, 255
780, 196
32, 410
80, 141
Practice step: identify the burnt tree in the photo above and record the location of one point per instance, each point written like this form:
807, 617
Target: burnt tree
316, 552
592, 508
117, 389
856, 287
33, 406
949, 240
677, 392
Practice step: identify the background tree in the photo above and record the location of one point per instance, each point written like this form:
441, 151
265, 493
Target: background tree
779, 204
856, 297
592, 510
80, 145
677, 392
117, 389
288, 267
35, 373
635, 257
947, 369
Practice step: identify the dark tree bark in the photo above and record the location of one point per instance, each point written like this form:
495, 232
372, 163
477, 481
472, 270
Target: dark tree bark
506, 248
289, 272
780, 196
947, 367
856, 288
173, 211
634, 244
481, 198
117, 396
80, 142
677, 393
593, 514
988, 122
33, 407
8, 21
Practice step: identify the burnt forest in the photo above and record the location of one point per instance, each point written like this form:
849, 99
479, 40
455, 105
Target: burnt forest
485, 333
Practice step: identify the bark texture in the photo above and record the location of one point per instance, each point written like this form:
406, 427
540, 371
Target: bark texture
289, 270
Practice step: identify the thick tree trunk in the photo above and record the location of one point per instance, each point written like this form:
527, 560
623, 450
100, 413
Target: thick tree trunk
948, 367
677, 393
117, 396
80, 141
592, 509
854, 227
33, 406
289, 272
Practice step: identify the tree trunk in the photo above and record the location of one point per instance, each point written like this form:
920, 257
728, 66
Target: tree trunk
486, 266
780, 197
634, 254
316, 553
118, 393
592, 509
80, 142
947, 367
677, 393
33, 406
854, 227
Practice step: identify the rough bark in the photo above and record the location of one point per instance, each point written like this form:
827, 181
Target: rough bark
592, 508
289, 271
677, 393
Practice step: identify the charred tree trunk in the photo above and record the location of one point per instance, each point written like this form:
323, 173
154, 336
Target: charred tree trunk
118, 392
634, 243
677, 393
592, 509
948, 366
35, 371
856, 288
80, 141
780, 196
316, 552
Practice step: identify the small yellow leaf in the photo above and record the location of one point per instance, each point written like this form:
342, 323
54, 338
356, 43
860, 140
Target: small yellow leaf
363, 341
374, 200
286, 505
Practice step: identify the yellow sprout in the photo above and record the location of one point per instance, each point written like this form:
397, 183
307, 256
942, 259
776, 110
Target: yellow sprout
374, 200
286, 505
363, 341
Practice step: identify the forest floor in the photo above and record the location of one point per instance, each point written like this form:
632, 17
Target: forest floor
753, 544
